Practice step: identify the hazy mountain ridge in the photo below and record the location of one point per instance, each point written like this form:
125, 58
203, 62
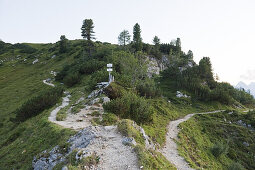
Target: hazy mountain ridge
250, 87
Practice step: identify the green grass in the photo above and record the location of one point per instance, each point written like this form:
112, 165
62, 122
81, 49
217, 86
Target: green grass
19, 143
28, 139
149, 159
165, 112
200, 134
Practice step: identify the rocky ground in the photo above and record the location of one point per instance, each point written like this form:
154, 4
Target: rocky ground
113, 150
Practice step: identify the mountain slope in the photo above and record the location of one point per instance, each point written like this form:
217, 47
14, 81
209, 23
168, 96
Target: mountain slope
139, 99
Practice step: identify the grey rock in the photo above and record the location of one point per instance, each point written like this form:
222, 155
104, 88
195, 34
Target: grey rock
81, 140
246, 144
180, 94
35, 61
128, 141
64, 168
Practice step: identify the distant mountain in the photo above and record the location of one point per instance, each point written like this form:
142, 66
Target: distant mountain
250, 87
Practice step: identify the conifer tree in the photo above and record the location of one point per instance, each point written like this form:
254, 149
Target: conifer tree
156, 51
178, 42
137, 39
156, 41
124, 37
87, 31
63, 44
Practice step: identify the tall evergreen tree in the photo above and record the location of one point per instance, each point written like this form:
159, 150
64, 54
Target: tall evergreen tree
137, 39
87, 31
205, 69
156, 41
124, 37
178, 42
63, 44
156, 51
190, 55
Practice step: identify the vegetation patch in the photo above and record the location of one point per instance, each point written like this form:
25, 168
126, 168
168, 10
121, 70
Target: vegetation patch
128, 128
216, 141
131, 106
37, 104
150, 160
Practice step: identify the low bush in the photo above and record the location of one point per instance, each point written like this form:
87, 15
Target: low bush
250, 118
114, 91
37, 104
148, 88
236, 166
150, 159
91, 66
131, 106
72, 79
219, 149
61, 116
95, 113
97, 77
88, 161
107, 120
129, 129
24, 48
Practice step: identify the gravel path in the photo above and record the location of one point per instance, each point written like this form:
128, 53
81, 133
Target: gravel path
53, 114
49, 84
107, 143
170, 150
112, 153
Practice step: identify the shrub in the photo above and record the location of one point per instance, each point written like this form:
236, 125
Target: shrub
64, 147
109, 119
24, 48
88, 161
130, 106
114, 91
95, 113
129, 129
148, 88
97, 77
236, 166
61, 116
219, 149
91, 66
72, 79
37, 104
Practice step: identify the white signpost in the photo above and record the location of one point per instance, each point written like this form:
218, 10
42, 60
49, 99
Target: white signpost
109, 69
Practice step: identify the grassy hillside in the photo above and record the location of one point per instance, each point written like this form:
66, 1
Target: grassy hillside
151, 102
20, 80
219, 141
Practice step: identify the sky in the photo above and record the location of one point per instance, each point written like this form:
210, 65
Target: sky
223, 30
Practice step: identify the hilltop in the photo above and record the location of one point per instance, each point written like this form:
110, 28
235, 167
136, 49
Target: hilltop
55, 115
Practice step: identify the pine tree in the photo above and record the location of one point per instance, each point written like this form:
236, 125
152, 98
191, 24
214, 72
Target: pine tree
190, 55
137, 39
178, 42
87, 31
63, 44
156, 51
156, 41
124, 37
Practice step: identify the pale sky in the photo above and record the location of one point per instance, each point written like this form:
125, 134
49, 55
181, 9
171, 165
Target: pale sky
223, 30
